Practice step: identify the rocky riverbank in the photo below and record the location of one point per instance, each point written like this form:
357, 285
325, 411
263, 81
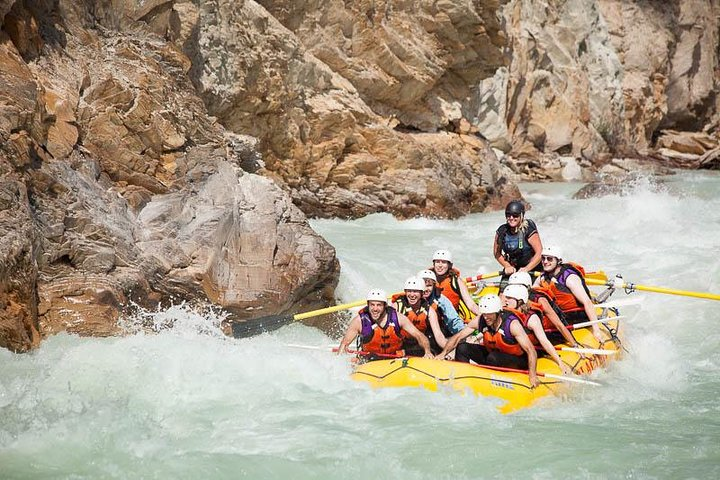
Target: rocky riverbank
166, 150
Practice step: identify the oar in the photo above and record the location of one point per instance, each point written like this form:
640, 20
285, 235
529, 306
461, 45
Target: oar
617, 283
483, 276
564, 378
256, 326
593, 322
335, 349
273, 322
589, 351
623, 302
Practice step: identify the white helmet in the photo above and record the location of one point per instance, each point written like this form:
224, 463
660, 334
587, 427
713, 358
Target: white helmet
518, 292
429, 274
552, 251
490, 303
520, 278
377, 295
414, 283
443, 255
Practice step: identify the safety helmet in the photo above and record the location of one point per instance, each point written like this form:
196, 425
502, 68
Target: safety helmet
515, 207
377, 295
490, 303
518, 292
429, 274
520, 278
414, 283
443, 255
552, 251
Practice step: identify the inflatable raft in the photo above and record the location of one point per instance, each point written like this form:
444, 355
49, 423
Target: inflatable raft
511, 387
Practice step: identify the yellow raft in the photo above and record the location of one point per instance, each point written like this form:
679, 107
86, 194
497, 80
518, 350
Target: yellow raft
511, 387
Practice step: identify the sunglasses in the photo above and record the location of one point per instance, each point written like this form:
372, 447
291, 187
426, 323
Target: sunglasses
546, 258
512, 215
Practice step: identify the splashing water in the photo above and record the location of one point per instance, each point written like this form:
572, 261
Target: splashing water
177, 398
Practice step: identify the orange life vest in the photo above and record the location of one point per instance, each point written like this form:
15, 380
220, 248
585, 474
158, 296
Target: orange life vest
556, 285
377, 339
419, 317
501, 339
450, 287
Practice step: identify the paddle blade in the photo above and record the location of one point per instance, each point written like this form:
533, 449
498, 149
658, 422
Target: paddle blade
256, 326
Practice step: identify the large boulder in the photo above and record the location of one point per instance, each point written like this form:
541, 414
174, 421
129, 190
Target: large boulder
119, 189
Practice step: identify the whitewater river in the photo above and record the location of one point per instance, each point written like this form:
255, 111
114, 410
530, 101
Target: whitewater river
190, 403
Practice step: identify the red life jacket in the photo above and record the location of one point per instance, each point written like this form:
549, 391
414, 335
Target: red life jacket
418, 317
501, 339
376, 339
556, 285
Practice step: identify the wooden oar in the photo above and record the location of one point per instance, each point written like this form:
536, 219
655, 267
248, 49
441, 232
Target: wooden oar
617, 283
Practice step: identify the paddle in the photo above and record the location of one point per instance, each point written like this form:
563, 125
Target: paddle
335, 349
542, 374
589, 351
618, 283
256, 326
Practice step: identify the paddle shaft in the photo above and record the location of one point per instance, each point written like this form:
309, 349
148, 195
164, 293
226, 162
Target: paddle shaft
648, 288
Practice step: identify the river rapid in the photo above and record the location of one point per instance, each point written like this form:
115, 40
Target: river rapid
188, 402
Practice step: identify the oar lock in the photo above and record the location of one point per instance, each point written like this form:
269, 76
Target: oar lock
619, 283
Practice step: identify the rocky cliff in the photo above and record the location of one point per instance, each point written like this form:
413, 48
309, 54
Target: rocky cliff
158, 150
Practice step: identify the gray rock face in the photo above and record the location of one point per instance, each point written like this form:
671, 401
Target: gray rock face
117, 187
360, 107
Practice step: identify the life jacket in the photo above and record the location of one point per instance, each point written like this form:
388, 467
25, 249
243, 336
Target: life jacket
536, 307
376, 339
557, 286
450, 287
516, 247
419, 317
502, 339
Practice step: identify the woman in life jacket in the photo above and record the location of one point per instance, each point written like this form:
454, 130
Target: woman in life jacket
380, 328
517, 246
450, 321
422, 314
505, 343
516, 301
567, 287
452, 285
549, 313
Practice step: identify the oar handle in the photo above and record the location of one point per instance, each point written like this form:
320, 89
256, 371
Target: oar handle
482, 276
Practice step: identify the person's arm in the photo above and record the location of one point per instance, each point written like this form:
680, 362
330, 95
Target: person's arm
518, 332
535, 324
574, 283
467, 298
435, 327
557, 323
422, 340
455, 339
351, 334
536, 244
452, 319
497, 253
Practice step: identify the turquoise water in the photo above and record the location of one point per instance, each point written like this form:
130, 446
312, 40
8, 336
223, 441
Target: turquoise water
188, 402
